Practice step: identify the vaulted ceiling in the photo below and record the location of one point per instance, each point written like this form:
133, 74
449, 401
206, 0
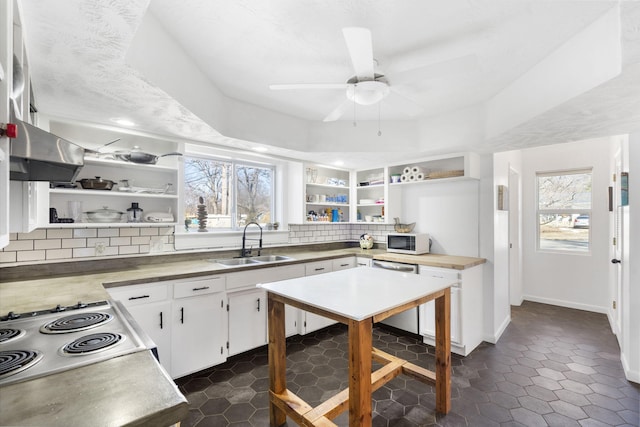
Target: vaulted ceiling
201, 70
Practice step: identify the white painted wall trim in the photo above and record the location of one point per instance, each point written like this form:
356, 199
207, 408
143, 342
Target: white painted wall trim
567, 304
498, 333
628, 372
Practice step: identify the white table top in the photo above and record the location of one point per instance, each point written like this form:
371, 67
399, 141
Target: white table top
358, 293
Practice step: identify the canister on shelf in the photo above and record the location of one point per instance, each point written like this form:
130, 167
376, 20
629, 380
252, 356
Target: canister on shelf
134, 213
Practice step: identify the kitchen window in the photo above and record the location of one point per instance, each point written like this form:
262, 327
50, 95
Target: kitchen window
235, 193
564, 211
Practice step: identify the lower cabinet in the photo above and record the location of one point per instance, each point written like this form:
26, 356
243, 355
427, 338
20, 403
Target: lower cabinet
247, 320
150, 306
466, 309
198, 330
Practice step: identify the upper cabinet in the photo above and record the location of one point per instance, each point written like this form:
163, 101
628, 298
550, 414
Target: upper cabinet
327, 194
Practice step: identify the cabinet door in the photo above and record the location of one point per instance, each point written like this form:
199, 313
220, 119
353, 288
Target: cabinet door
198, 333
247, 320
363, 262
313, 322
154, 319
428, 319
29, 206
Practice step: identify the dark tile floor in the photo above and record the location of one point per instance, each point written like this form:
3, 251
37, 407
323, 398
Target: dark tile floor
552, 367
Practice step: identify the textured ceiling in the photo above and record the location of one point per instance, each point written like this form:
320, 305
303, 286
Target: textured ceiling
77, 52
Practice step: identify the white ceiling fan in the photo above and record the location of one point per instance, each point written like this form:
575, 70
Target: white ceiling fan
367, 87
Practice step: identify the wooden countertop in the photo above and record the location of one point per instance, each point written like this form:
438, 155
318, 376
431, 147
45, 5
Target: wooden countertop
433, 260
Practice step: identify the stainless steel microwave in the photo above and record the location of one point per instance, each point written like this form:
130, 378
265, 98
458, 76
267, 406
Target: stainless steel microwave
407, 243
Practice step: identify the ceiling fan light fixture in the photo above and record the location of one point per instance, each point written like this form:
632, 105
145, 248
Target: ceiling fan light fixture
368, 92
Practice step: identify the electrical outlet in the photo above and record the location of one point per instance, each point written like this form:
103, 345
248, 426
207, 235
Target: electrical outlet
100, 248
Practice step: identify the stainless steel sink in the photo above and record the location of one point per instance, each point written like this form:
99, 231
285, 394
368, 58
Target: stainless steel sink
232, 262
271, 258
263, 259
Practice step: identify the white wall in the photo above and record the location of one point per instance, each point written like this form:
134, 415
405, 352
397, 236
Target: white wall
570, 280
448, 211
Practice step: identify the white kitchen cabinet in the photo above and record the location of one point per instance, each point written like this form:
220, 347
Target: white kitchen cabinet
363, 262
371, 196
150, 306
310, 322
466, 309
248, 279
247, 320
343, 263
198, 325
326, 189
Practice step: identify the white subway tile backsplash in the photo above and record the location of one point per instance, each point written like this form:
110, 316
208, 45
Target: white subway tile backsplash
85, 232
83, 252
91, 243
108, 232
143, 240
74, 243
59, 253
8, 256
165, 231
128, 250
151, 231
128, 232
59, 233
47, 244
120, 241
19, 245
31, 256
35, 234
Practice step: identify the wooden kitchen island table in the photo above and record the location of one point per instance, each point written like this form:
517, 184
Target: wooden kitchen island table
357, 297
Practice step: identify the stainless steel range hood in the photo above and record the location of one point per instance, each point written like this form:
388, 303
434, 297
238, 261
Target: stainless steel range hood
37, 155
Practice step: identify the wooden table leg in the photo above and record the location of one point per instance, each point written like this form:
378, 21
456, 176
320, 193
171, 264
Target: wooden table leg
443, 352
360, 347
277, 359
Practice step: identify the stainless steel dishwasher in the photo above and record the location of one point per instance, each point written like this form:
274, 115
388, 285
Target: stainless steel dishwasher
407, 320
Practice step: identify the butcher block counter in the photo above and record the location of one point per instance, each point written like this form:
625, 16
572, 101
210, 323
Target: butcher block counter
432, 260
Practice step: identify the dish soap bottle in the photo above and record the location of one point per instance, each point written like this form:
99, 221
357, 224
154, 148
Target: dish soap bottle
134, 213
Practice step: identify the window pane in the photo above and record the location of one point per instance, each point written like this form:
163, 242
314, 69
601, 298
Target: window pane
211, 180
569, 191
568, 232
255, 188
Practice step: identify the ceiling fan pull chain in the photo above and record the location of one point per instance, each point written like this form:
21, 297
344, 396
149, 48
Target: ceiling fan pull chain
379, 108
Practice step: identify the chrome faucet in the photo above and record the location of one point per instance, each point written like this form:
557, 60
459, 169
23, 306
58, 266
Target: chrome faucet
247, 252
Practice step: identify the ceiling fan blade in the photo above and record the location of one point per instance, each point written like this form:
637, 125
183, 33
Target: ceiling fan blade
463, 64
360, 48
294, 86
338, 111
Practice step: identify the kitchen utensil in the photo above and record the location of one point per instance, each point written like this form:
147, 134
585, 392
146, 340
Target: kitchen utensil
104, 215
158, 217
96, 183
137, 156
403, 228
134, 213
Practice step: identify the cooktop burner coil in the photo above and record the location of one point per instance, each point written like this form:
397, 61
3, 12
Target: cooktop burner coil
92, 343
14, 361
76, 322
8, 334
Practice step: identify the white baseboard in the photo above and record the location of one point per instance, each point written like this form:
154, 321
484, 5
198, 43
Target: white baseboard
628, 373
568, 304
612, 324
498, 333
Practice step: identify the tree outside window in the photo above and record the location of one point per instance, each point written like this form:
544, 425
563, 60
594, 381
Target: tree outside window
564, 211
234, 193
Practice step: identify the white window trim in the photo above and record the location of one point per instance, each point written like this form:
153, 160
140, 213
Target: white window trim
563, 211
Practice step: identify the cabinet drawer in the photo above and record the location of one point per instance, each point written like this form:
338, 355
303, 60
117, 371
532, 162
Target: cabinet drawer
317, 267
139, 294
191, 288
451, 275
343, 263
